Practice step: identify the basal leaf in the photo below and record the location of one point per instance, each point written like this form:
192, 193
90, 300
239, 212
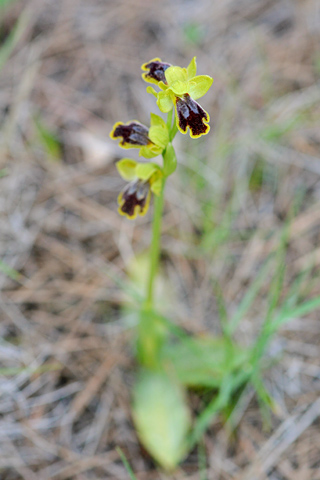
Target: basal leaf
203, 361
161, 417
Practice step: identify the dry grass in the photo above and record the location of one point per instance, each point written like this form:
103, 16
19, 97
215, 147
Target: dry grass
66, 405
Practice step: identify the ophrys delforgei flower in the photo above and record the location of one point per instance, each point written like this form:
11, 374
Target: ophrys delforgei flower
144, 178
151, 141
180, 88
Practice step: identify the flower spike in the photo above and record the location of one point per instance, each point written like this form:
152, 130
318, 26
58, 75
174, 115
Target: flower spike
179, 89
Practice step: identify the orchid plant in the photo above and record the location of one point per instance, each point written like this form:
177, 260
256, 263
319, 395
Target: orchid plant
160, 410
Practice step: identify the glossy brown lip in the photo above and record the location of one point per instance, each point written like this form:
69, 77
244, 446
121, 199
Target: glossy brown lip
191, 114
133, 134
135, 194
156, 71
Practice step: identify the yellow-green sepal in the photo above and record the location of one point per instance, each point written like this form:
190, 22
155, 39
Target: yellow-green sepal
199, 85
127, 168
192, 68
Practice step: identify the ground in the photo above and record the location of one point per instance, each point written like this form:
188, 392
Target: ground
69, 71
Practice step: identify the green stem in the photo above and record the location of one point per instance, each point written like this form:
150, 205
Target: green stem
155, 246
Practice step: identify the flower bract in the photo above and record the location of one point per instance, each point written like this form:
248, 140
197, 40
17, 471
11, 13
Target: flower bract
144, 178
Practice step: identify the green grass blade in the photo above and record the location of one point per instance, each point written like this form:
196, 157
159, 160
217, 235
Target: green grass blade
126, 464
266, 402
202, 461
222, 309
249, 297
286, 315
228, 387
278, 279
295, 290
273, 300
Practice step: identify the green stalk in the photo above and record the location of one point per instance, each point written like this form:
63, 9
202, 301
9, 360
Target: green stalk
155, 246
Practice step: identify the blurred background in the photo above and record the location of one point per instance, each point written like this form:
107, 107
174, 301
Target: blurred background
68, 71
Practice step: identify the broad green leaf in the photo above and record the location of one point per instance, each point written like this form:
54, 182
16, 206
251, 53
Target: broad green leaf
203, 361
161, 417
